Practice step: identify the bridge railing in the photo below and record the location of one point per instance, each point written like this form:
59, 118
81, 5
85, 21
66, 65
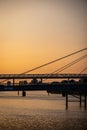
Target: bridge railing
19, 76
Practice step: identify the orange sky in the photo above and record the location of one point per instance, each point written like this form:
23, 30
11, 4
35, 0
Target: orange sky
33, 33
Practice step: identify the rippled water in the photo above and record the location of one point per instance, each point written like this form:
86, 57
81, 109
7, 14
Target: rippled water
38, 111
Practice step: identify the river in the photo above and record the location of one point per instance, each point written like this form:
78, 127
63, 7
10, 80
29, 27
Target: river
38, 111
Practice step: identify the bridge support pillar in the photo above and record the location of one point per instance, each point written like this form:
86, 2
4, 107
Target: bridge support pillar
23, 93
13, 81
66, 101
18, 93
80, 100
85, 100
41, 80
63, 94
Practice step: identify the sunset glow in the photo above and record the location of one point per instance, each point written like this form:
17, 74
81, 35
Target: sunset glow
35, 32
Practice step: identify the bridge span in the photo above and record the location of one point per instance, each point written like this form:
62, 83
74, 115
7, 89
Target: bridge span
69, 88
43, 76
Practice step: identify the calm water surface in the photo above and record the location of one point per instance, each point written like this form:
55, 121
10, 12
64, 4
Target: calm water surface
38, 111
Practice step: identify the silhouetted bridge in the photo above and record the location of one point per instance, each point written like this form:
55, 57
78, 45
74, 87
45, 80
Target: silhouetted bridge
73, 88
69, 87
42, 76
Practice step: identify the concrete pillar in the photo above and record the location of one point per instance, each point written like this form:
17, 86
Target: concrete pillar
23, 93
66, 101
18, 92
80, 100
85, 100
63, 94
13, 81
41, 80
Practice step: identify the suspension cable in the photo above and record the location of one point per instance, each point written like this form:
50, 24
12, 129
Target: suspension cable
61, 58
83, 70
70, 64
54, 61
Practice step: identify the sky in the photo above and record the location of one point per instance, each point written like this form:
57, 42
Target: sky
34, 32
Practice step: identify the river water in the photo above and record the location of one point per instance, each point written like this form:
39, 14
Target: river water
38, 111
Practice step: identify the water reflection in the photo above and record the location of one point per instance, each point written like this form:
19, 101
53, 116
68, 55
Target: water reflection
38, 111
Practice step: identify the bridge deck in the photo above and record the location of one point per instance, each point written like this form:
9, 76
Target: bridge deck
48, 76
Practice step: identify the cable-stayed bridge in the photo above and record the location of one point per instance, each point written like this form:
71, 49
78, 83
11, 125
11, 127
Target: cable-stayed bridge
66, 88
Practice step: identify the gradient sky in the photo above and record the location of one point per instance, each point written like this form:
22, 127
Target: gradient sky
33, 32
